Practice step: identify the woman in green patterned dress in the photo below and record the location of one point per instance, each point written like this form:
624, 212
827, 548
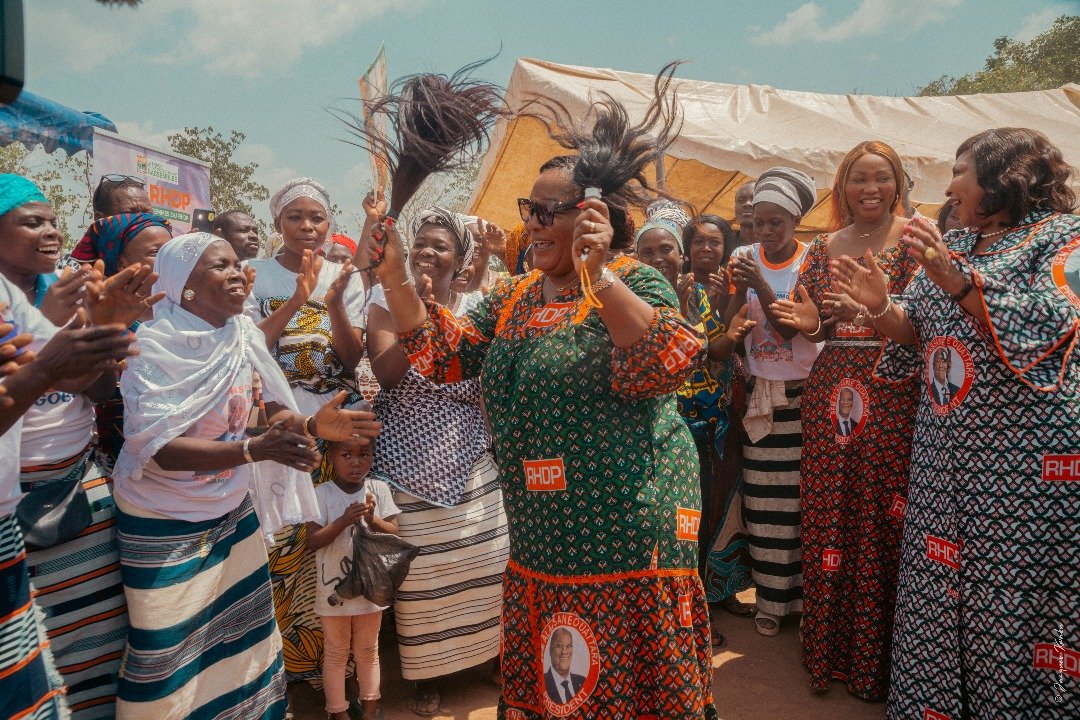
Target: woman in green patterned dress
604, 614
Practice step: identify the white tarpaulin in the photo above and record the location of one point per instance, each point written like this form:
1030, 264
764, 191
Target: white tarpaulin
732, 132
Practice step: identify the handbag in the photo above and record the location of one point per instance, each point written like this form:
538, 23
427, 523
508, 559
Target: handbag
379, 565
53, 512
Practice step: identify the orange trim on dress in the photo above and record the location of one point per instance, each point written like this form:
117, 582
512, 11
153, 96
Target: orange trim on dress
44, 699
800, 247
507, 309
604, 578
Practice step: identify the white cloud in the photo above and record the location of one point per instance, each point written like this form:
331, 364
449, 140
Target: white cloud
146, 133
239, 38
806, 23
1037, 23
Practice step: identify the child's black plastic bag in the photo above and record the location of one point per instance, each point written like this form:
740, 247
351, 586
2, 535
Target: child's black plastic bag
379, 565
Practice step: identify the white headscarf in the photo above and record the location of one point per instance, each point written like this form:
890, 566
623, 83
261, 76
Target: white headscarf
184, 368
297, 188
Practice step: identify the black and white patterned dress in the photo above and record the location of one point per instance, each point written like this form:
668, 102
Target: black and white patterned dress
988, 609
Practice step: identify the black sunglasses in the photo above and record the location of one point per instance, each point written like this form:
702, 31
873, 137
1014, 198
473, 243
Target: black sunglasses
545, 214
122, 178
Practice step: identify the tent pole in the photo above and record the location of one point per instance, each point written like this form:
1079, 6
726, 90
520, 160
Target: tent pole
660, 173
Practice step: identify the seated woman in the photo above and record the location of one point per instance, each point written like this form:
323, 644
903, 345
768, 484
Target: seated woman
193, 564
434, 451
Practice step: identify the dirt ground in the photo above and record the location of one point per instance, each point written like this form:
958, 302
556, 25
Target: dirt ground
754, 678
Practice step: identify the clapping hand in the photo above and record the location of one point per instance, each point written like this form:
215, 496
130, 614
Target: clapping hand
123, 298
353, 514
740, 326
684, 288
745, 273
336, 294
286, 448
865, 285
66, 295
802, 315
492, 237
331, 422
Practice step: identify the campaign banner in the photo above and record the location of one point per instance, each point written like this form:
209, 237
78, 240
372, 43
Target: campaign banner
179, 186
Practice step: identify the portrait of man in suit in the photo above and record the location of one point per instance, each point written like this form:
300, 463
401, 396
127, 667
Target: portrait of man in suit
562, 684
847, 415
942, 389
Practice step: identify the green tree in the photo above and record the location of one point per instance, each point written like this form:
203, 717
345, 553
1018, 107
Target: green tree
232, 185
1050, 60
62, 179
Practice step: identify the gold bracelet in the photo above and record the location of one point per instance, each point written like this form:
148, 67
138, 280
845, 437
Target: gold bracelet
307, 426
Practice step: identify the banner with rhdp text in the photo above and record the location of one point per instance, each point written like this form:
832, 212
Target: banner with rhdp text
179, 186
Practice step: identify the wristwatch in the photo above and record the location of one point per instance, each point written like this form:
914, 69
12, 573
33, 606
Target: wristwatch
604, 281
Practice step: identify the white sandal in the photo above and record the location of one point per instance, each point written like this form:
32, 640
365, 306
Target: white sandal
762, 620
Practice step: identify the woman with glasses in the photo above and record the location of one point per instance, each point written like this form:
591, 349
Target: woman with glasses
603, 610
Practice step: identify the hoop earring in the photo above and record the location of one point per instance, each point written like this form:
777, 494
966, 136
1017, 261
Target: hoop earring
188, 294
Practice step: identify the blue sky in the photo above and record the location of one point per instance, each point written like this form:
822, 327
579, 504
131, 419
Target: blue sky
269, 68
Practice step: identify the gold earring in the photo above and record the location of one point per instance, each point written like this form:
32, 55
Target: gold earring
189, 294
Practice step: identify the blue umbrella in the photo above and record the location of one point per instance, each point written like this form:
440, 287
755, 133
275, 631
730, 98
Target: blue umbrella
33, 120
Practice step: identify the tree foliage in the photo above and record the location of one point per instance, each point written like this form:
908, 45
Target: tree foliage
63, 179
1050, 60
232, 185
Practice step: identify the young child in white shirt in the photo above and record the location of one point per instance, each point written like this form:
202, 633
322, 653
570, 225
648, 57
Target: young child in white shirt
350, 497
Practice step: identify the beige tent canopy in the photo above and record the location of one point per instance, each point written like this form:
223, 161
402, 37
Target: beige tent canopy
734, 132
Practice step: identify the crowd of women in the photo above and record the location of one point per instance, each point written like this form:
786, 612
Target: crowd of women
876, 429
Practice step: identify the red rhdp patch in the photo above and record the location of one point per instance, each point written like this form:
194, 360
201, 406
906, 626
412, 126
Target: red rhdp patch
898, 506
830, 560
942, 551
424, 360
1061, 468
929, 714
686, 613
550, 314
681, 351
687, 523
1050, 656
544, 475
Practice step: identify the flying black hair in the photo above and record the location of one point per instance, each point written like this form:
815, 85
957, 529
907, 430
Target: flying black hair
613, 154
437, 122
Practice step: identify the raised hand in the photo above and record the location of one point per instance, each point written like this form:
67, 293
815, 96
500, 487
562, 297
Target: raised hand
353, 514
802, 315
123, 298
386, 252
331, 422
81, 349
336, 294
307, 278
740, 326
592, 232
840, 306
492, 237
65, 296
924, 244
285, 448
746, 273
716, 287
683, 289
865, 285
249, 279
374, 206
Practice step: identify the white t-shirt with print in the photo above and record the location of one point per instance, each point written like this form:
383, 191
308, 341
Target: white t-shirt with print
330, 560
768, 354
57, 425
273, 280
29, 319
202, 495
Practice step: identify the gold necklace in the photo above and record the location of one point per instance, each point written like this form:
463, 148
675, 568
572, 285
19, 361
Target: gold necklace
984, 236
573, 281
888, 219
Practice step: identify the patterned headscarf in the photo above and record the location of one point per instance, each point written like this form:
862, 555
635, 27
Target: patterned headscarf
15, 191
298, 188
667, 216
107, 238
452, 221
787, 187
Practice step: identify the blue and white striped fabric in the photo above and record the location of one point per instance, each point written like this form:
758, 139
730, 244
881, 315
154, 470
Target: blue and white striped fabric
204, 641
30, 686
